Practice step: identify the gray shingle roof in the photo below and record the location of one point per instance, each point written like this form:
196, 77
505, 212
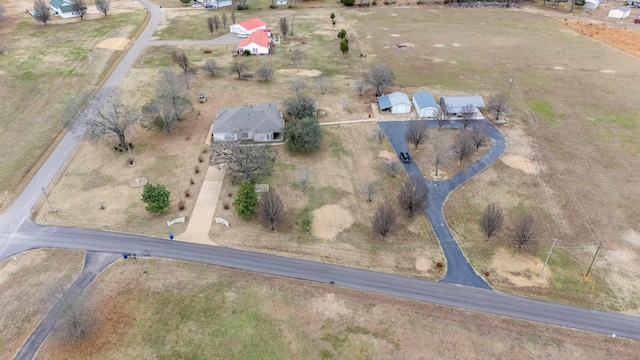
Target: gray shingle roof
63, 5
455, 103
258, 119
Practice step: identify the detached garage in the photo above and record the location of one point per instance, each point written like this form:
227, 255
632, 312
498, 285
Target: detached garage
620, 13
397, 103
425, 104
453, 105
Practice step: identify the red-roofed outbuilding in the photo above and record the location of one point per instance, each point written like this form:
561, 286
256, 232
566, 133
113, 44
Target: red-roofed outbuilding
248, 26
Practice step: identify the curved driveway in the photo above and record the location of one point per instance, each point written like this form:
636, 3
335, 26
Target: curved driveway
18, 233
459, 271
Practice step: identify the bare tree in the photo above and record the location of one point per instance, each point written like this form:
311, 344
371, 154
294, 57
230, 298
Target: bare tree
181, 59
524, 229
381, 77
416, 133
370, 188
103, 6
359, 88
384, 220
239, 68
224, 20
171, 104
271, 208
413, 195
72, 313
300, 107
297, 86
210, 25
80, 7
324, 84
249, 162
75, 107
283, 25
114, 118
379, 135
233, 17
391, 167
211, 67
498, 104
468, 113
491, 219
463, 146
441, 117
41, 11
265, 72
216, 22
479, 138
303, 178
441, 156
296, 57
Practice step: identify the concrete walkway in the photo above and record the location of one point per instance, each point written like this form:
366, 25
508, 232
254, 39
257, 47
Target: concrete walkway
204, 209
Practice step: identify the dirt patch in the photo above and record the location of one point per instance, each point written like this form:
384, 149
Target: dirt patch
330, 306
520, 163
625, 39
632, 237
387, 155
520, 269
423, 264
300, 72
114, 43
329, 221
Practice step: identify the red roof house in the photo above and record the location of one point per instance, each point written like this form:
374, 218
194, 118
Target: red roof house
257, 43
248, 26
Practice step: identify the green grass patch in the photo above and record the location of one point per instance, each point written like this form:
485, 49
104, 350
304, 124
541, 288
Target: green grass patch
544, 110
321, 196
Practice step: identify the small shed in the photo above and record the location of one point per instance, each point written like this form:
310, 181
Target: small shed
397, 103
620, 12
453, 105
425, 104
592, 4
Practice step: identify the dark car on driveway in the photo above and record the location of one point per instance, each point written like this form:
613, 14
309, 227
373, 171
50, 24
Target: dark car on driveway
404, 157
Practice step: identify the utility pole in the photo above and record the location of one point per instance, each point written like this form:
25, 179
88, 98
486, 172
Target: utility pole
510, 85
291, 33
47, 197
553, 244
593, 260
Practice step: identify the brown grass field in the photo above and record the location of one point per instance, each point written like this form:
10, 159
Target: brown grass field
571, 159
27, 288
152, 308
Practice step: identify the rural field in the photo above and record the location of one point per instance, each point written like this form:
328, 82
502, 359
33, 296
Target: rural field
570, 161
153, 308
29, 287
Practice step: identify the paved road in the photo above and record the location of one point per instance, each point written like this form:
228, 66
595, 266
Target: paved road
18, 233
94, 263
35, 236
459, 271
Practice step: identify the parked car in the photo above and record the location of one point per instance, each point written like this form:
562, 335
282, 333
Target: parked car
243, 36
404, 157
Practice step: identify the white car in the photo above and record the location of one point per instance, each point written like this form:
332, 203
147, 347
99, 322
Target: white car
243, 36
195, 5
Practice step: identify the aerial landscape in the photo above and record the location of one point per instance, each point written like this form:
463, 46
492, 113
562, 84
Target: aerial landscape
256, 179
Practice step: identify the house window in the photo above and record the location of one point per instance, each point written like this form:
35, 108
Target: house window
255, 50
244, 135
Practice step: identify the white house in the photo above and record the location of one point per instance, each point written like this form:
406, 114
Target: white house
397, 103
258, 123
592, 4
258, 43
425, 104
453, 105
215, 4
63, 8
248, 26
620, 12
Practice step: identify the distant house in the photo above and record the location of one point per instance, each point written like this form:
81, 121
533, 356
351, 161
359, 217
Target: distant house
397, 103
281, 2
258, 43
63, 8
592, 4
453, 105
248, 26
215, 4
425, 104
620, 12
258, 123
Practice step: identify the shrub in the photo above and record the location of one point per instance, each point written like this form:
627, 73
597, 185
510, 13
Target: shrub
304, 220
246, 201
187, 193
181, 205
200, 158
196, 169
246, 53
226, 205
156, 197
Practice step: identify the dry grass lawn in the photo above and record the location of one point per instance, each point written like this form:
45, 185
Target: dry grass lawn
564, 144
27, 286
184, 310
